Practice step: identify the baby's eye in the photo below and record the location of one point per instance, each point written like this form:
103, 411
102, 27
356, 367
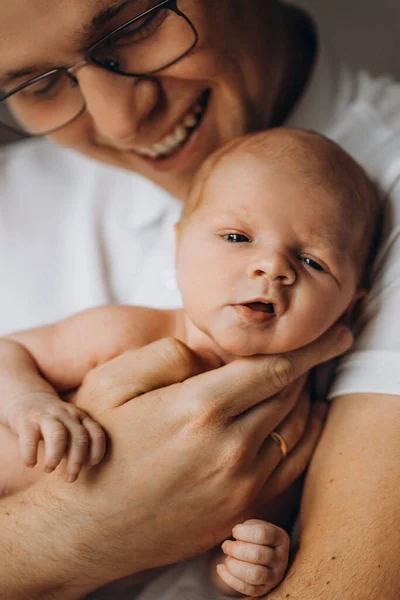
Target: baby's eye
311, 263
236, 238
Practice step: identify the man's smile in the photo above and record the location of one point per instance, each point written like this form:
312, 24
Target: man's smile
178, 136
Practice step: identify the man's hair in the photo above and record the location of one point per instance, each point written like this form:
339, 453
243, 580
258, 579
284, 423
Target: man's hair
322, 163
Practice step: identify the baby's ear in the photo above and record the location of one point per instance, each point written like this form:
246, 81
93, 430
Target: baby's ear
354, 307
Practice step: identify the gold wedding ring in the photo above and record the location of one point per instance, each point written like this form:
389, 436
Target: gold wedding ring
278, 439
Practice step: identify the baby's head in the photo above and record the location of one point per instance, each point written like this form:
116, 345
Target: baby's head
274, 241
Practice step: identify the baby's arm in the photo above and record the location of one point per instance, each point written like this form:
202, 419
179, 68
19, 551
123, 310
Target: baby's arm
31, 408
254, 562
36, 364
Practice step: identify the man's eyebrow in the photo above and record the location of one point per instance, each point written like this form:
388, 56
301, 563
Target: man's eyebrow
87, 32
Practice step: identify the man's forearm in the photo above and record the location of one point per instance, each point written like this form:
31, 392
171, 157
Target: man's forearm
350, 523
42, 549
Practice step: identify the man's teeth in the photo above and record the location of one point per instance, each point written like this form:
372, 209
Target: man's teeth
177, 137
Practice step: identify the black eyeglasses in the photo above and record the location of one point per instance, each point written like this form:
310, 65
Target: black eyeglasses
141, 46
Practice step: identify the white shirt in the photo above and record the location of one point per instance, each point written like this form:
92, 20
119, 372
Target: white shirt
75, 233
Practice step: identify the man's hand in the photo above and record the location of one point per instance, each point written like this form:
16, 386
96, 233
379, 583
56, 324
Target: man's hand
189, 455
196, 449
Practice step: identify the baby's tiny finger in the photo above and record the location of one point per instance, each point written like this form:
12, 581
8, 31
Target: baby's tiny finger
239, 585
97, 441
29, 437
55, 440
256, 531
252, 574
251, 553
78, 449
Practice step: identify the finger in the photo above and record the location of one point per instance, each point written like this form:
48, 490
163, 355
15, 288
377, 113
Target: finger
78, 448
135, 372
260, 532
259, 422
29, 437
298, 459
243, 383
239, 585
291, 431
251, 574
251, 553
55, 438
97, 441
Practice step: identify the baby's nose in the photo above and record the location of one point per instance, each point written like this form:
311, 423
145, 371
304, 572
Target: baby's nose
275, 267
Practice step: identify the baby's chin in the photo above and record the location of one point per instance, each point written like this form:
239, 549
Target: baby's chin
241, 345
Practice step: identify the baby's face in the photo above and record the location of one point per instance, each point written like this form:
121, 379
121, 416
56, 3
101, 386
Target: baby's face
264, 263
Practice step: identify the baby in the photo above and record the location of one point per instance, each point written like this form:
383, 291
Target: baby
271, 250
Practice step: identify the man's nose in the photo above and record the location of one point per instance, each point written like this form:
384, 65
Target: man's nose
118, 105
276, 268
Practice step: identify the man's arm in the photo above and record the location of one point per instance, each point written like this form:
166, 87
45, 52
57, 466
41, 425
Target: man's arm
350, 519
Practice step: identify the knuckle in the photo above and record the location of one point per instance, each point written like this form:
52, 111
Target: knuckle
98, 381
235, 454
255, 554
81, 439
28, 442
282, 371
58, 433
204, 410
254, 575
74, 411
175, 352
260, 535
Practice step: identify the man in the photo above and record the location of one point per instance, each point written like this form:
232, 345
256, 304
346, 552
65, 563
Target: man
156, 96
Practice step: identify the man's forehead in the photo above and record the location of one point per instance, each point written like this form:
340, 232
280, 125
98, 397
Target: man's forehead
35, 33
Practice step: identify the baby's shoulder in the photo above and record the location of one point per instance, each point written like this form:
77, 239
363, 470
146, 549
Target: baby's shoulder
132, 326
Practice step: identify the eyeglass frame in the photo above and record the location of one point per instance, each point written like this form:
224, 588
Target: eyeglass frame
87, 60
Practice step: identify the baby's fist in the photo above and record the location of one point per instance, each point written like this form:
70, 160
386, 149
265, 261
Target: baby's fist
65, 430
257, 559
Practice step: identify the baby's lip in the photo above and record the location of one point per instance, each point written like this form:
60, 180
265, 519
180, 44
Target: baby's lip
272, 305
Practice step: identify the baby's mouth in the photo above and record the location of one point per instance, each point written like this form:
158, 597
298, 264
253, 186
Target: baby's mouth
256, 313
265, 307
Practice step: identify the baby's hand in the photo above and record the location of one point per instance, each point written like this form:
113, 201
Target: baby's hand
66, 431
257, 560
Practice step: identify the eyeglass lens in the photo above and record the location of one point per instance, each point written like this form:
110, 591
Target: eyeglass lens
148, 44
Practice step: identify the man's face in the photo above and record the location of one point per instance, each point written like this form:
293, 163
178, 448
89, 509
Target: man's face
226, 86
